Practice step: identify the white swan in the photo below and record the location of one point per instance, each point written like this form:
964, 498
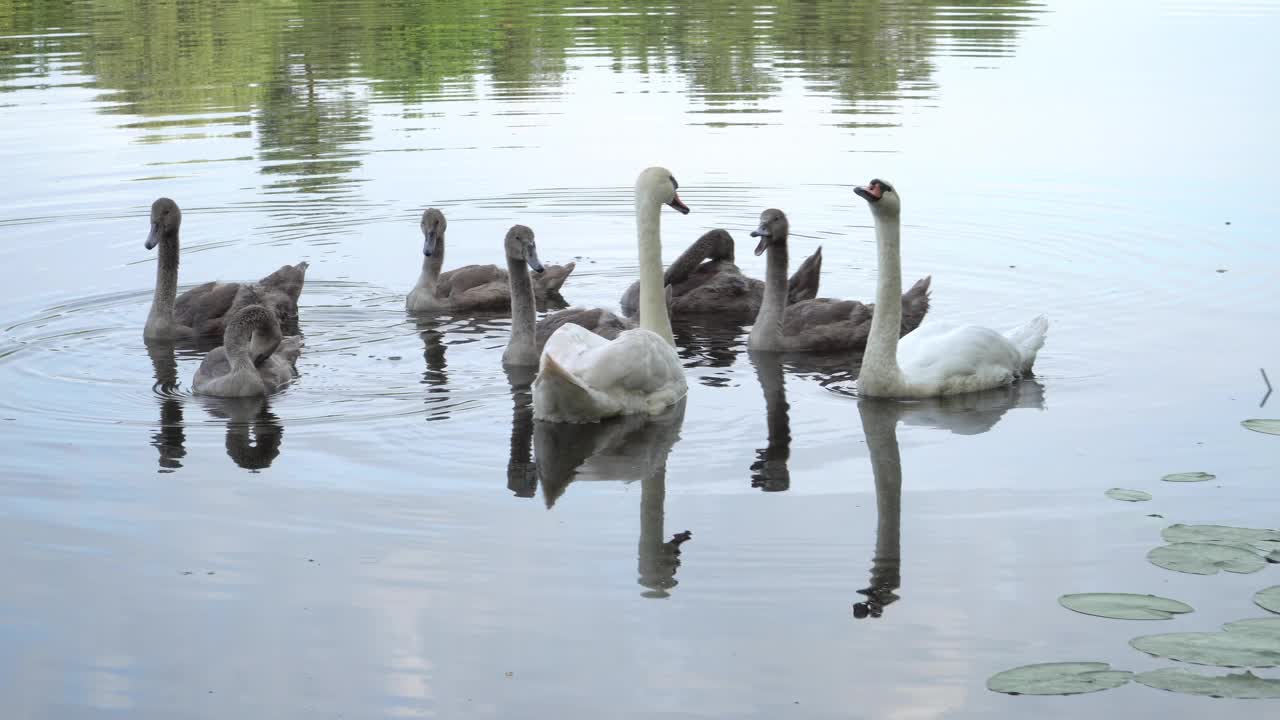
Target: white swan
252, 360
581, 376
935, 359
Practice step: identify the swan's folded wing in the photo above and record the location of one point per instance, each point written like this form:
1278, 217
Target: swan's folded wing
942, 355
204, 307
460, 280
490, 296
636, 362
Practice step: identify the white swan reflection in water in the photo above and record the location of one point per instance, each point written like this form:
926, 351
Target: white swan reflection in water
628, 448
970, 414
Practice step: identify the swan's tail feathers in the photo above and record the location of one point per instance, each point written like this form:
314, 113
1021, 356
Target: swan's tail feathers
288, 279
1029, 338
555, 275
804, 283
915, 304
290, 348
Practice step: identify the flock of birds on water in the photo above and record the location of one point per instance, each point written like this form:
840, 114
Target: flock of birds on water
592, 363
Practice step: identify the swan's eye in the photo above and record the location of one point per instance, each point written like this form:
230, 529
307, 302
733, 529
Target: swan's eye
674, 184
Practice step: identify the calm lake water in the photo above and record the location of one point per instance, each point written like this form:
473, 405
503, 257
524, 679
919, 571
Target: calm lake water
392, 536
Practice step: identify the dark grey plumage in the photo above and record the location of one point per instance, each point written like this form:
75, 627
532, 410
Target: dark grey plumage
705, 281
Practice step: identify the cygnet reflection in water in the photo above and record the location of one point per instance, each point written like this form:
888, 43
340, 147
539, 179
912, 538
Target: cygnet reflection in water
964, 415
522, 473
433, 352
170, 437
770, 472
626, 448
254, 433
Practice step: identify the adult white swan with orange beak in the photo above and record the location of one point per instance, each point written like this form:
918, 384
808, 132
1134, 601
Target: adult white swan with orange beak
583, 377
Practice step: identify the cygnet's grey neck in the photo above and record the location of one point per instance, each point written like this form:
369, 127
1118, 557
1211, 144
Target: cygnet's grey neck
766, 332
166, 276
431, 265
522, 347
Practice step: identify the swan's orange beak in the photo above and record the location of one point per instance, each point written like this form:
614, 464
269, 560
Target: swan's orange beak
679, 205
870, 193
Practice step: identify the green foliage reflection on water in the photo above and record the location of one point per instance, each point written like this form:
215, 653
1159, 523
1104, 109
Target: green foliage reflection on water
304, 72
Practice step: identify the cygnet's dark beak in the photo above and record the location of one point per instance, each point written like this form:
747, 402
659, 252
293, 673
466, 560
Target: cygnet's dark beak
153, 238
534, 263
679, 205
429, 243
761, 232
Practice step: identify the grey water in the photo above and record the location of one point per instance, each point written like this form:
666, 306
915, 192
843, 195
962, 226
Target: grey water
393, 536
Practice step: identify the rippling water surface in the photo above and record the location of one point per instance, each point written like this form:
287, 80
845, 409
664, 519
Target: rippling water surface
392, 535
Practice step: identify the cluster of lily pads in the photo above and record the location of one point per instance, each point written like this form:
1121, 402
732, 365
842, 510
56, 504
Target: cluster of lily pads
1196, 549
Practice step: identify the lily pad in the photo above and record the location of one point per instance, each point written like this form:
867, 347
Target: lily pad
1244, 686
1268, 599
1128, 495
1270, 427
1243, 643
1205, 558
1124, 606
1061, 678
1188, 477
1263, 540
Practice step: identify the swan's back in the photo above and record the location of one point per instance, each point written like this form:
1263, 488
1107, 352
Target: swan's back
598, 321
205, 308
582, 377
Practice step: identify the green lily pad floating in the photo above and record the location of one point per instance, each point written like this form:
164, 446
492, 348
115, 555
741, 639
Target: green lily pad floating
1270, 427
1205, 558
1061, 678
1128, 495
1243, 643
1124, 606
1268, 599
1188, 477
1263, 540
1243, 686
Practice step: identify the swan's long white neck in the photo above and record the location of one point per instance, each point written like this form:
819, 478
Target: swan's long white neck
522, 347
767, 331
653, 305
880, 361
166, 279
431, 267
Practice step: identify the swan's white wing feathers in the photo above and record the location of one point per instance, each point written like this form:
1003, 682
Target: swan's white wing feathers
944, 360
582, 377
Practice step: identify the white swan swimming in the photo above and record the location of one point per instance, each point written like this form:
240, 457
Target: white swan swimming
204, 309
252, 360
818, 324
935, 359
583, 377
